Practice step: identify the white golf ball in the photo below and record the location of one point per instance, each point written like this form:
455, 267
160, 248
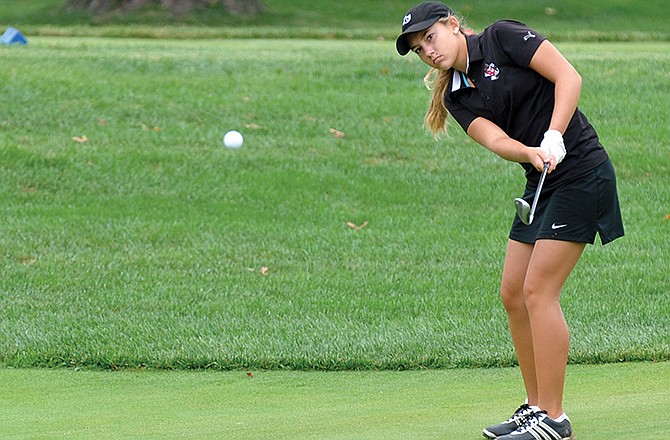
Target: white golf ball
233, 139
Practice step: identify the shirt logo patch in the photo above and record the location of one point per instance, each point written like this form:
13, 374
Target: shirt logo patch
491, 71
406, 19
528, 36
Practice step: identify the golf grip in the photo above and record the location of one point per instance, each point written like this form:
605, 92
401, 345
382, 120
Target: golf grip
539, 189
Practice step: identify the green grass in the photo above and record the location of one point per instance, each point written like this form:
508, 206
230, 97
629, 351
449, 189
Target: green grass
451, 404
143, 247
573, 19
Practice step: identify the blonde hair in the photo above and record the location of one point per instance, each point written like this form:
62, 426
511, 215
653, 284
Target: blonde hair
437, 114
437, 81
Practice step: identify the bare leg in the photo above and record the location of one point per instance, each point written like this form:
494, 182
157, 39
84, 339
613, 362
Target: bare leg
550, 265
517, 260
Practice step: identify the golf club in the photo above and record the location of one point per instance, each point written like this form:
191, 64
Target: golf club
525, 212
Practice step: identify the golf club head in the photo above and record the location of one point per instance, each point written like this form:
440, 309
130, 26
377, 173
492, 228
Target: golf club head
523, 210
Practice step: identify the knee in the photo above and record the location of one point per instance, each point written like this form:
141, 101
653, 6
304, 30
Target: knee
536, 295
512, 297
522, 296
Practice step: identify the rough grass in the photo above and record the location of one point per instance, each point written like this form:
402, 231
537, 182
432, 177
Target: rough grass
150, 245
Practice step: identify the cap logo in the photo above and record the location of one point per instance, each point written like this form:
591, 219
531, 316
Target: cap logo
407, 19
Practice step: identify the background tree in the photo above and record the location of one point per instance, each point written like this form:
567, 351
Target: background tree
177, 7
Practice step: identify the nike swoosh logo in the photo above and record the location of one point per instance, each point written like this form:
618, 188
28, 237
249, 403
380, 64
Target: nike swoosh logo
555, 226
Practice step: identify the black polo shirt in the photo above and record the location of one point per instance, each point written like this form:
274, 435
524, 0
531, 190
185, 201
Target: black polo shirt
518, 99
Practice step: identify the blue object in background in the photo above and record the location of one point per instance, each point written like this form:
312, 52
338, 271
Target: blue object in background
13, 36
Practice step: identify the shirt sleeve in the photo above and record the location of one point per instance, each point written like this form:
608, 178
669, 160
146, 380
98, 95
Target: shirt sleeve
460, 113
516, 40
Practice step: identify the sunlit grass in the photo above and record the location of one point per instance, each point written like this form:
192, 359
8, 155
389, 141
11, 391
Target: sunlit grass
150, 244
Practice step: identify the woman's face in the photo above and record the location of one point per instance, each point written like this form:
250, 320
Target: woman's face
439, 46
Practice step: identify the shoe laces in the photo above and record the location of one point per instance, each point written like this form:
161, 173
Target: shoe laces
521, 414
532, 420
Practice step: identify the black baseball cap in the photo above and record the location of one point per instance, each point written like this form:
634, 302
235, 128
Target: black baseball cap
419, 18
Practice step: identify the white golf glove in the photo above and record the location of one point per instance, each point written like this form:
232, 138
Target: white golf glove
552, 143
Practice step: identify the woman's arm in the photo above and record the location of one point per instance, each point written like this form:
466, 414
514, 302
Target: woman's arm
551, 64
495, 139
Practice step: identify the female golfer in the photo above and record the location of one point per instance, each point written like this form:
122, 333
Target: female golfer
514, 93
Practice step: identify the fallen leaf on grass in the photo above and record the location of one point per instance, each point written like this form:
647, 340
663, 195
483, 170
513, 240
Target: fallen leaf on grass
355, 227
667, 217
81, 139
27, 260
336, 133
253, 126
263, 271
250, 374
146, 128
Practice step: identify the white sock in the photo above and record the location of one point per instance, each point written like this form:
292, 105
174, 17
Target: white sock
562, 417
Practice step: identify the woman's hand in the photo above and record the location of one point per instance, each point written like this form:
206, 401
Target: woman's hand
538, 157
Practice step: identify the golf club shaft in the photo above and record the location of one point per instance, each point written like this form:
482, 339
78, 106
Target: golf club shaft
539, 189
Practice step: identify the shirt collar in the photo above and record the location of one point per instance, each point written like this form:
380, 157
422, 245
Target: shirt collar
459, 79
474, 48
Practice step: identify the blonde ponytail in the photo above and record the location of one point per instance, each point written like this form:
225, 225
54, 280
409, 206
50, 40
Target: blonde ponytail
438, 81
437, 114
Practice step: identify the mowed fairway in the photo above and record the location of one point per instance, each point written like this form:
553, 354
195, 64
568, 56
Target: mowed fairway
436, 404
341, 236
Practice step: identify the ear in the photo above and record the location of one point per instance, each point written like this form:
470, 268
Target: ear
454, 25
